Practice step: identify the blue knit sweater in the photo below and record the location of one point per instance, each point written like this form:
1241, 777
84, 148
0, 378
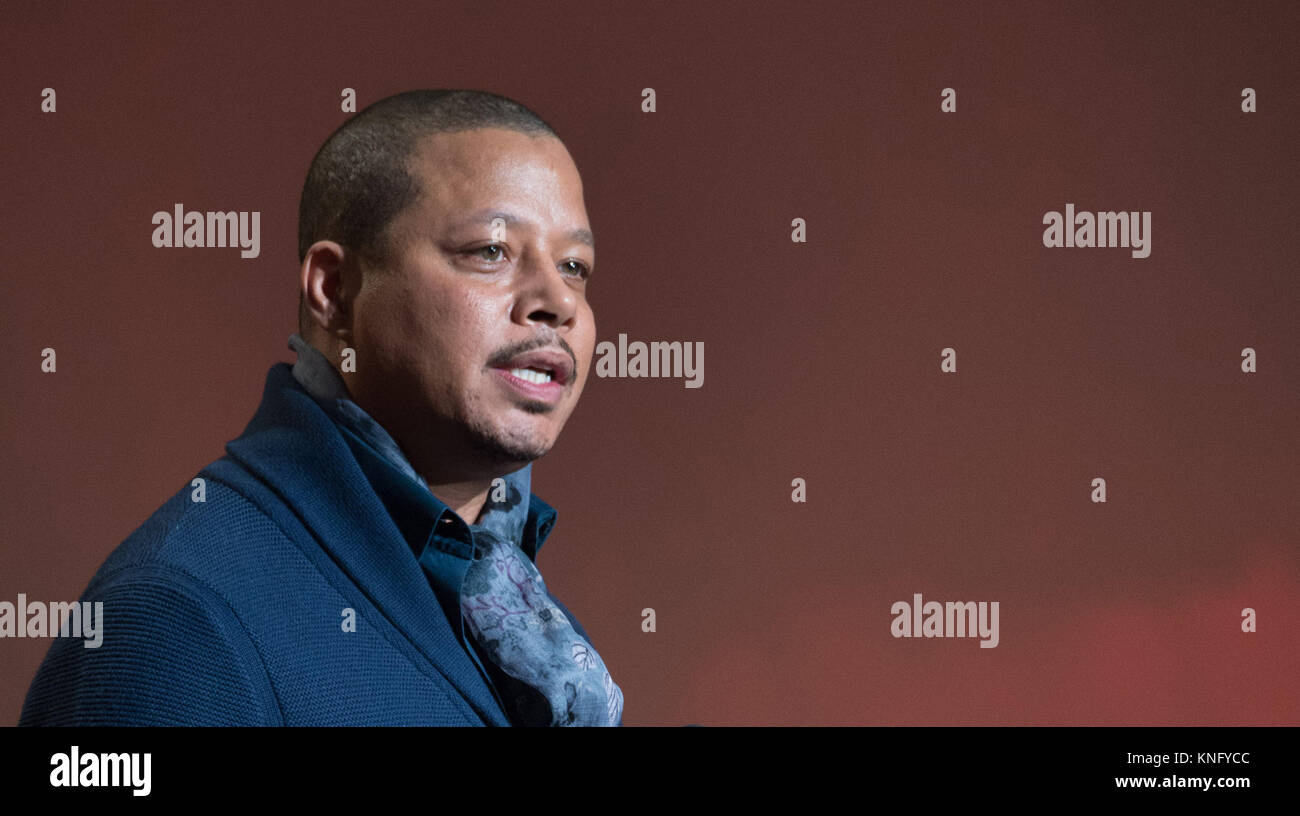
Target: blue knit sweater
231, 611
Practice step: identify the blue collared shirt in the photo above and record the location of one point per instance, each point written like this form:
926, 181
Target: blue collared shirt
439, 538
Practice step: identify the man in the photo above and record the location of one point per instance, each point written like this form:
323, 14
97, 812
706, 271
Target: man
364, 552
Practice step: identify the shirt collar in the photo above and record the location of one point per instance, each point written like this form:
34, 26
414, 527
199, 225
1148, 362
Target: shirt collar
403, 491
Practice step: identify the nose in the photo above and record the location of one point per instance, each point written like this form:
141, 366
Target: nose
542, 293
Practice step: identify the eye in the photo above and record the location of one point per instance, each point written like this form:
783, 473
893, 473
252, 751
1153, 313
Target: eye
577, 268
490, 248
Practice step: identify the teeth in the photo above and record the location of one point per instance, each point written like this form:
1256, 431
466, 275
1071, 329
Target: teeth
531, 375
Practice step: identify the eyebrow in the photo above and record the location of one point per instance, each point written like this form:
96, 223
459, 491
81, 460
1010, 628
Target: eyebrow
581, 236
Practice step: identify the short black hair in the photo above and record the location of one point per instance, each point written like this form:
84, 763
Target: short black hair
359, 181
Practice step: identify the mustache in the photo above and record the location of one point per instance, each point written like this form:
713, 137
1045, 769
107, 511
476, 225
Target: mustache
505, 355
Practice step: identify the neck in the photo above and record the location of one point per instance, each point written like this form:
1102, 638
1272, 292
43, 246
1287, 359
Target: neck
465, 490
466, 498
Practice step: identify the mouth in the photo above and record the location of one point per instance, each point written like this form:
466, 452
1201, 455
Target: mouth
543, 374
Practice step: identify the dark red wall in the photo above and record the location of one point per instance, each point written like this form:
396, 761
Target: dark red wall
822, 358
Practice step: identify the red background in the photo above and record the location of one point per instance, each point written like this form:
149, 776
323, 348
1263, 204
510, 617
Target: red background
822, 359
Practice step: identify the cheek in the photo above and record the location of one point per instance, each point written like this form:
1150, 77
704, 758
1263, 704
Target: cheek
383, 324
435, 342
583, 343
464, 333
400, 333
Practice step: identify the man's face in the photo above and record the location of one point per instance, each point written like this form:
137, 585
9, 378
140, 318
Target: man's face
474, 337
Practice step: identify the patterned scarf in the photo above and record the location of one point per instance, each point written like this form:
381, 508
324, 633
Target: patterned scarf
549, 674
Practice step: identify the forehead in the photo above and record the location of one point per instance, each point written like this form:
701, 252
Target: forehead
487, 167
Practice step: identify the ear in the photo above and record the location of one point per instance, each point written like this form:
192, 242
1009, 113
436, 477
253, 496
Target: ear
327, 290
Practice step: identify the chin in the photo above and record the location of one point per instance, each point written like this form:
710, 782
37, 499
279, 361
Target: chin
513, 445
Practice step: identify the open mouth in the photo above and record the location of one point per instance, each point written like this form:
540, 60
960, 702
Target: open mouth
534, 385
536, 376
541, 367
